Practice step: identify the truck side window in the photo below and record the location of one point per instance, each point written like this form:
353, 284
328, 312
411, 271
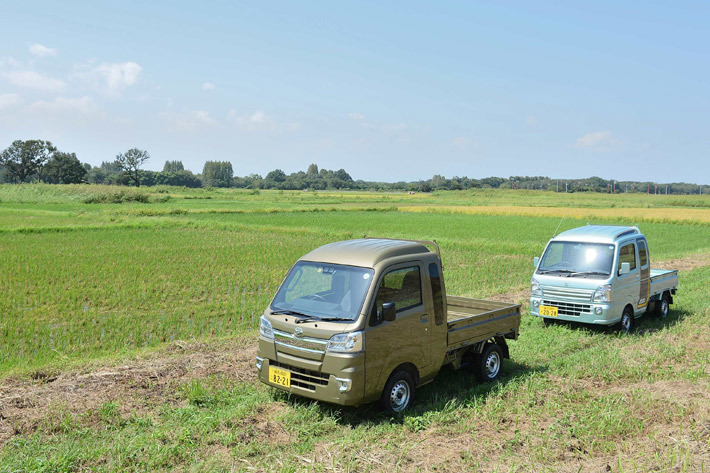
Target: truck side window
401, 286
627, 254
436, 293
643, 253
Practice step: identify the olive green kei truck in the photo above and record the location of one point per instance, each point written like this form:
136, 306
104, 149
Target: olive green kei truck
364, 320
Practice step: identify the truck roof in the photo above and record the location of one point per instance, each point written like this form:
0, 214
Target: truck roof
597, 233
365, 252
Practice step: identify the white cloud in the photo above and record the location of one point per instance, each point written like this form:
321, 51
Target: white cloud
34, 80
356, 116
41, 51
9, 101
119, 76
394, 127
65, 105
596, 139
259, 121
8, 60
190, 121
208, 86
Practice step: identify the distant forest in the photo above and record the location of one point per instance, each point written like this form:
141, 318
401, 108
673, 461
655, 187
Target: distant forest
40, 161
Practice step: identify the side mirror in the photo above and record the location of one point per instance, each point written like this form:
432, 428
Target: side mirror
536, 261
625, 268
388, 312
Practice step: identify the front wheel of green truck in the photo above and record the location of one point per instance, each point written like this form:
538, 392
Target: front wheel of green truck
488, 364
398, 393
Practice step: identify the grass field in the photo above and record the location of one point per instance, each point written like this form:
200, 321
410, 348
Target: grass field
162, 289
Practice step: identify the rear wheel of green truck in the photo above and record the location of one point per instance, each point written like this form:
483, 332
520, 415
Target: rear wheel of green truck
663, 306
487, 365
398, 393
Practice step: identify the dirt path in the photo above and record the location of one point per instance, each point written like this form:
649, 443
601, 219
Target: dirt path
138, 386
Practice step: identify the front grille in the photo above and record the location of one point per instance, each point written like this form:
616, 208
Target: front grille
569, 308
304, 378
307, 344
566, 293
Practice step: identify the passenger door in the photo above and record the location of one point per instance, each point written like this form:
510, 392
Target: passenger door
407, 338
645, 274
627, 284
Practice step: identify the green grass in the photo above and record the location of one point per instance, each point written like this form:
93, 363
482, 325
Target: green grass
91, 283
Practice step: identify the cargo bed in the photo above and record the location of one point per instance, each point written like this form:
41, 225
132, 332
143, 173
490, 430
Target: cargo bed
663, 280
476, 320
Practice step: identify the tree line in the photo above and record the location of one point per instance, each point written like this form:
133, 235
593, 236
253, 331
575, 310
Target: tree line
41, 161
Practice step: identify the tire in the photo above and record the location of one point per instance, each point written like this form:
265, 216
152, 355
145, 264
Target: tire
399, 392
627, 320
663, 307
487, 366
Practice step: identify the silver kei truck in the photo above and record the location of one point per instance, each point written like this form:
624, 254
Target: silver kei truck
364, 320
600, 274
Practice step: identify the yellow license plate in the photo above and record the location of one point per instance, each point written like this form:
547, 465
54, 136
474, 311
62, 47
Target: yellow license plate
548, 310
280, 377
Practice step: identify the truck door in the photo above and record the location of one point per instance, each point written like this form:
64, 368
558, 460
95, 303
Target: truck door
407, 338
645, 290
627, 284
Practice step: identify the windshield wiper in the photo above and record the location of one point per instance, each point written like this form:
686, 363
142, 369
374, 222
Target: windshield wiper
324, 319
588, 273
289, 312
564, 271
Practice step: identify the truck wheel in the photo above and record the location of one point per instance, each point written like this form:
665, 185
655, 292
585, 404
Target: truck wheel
663, 307
627, 320
488, 364
398, 393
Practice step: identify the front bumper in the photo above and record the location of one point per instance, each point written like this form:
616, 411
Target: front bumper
575, 311
338, 378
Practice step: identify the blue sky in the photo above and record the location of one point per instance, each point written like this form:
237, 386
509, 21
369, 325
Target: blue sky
386, 90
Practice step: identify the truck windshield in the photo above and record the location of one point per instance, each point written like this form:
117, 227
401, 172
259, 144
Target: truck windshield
324, 290
575, 259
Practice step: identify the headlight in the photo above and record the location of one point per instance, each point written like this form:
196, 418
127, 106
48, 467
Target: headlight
602, 294
265, 328
536, 290
346, 342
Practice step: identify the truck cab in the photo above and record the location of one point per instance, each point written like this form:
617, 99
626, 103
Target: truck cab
599, 274
361, 320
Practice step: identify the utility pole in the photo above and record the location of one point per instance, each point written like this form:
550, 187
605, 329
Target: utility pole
557, 189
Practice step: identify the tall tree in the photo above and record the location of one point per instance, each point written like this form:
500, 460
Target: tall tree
25, 159
130, 163
64, 168
173, 166
277, 175
312, 170
217, 174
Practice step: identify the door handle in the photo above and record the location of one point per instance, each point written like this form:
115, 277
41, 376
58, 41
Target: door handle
424, 318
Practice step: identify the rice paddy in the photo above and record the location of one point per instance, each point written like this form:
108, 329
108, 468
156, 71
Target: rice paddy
99, 275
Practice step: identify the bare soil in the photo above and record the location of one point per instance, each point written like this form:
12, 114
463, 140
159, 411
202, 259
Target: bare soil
137, 387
